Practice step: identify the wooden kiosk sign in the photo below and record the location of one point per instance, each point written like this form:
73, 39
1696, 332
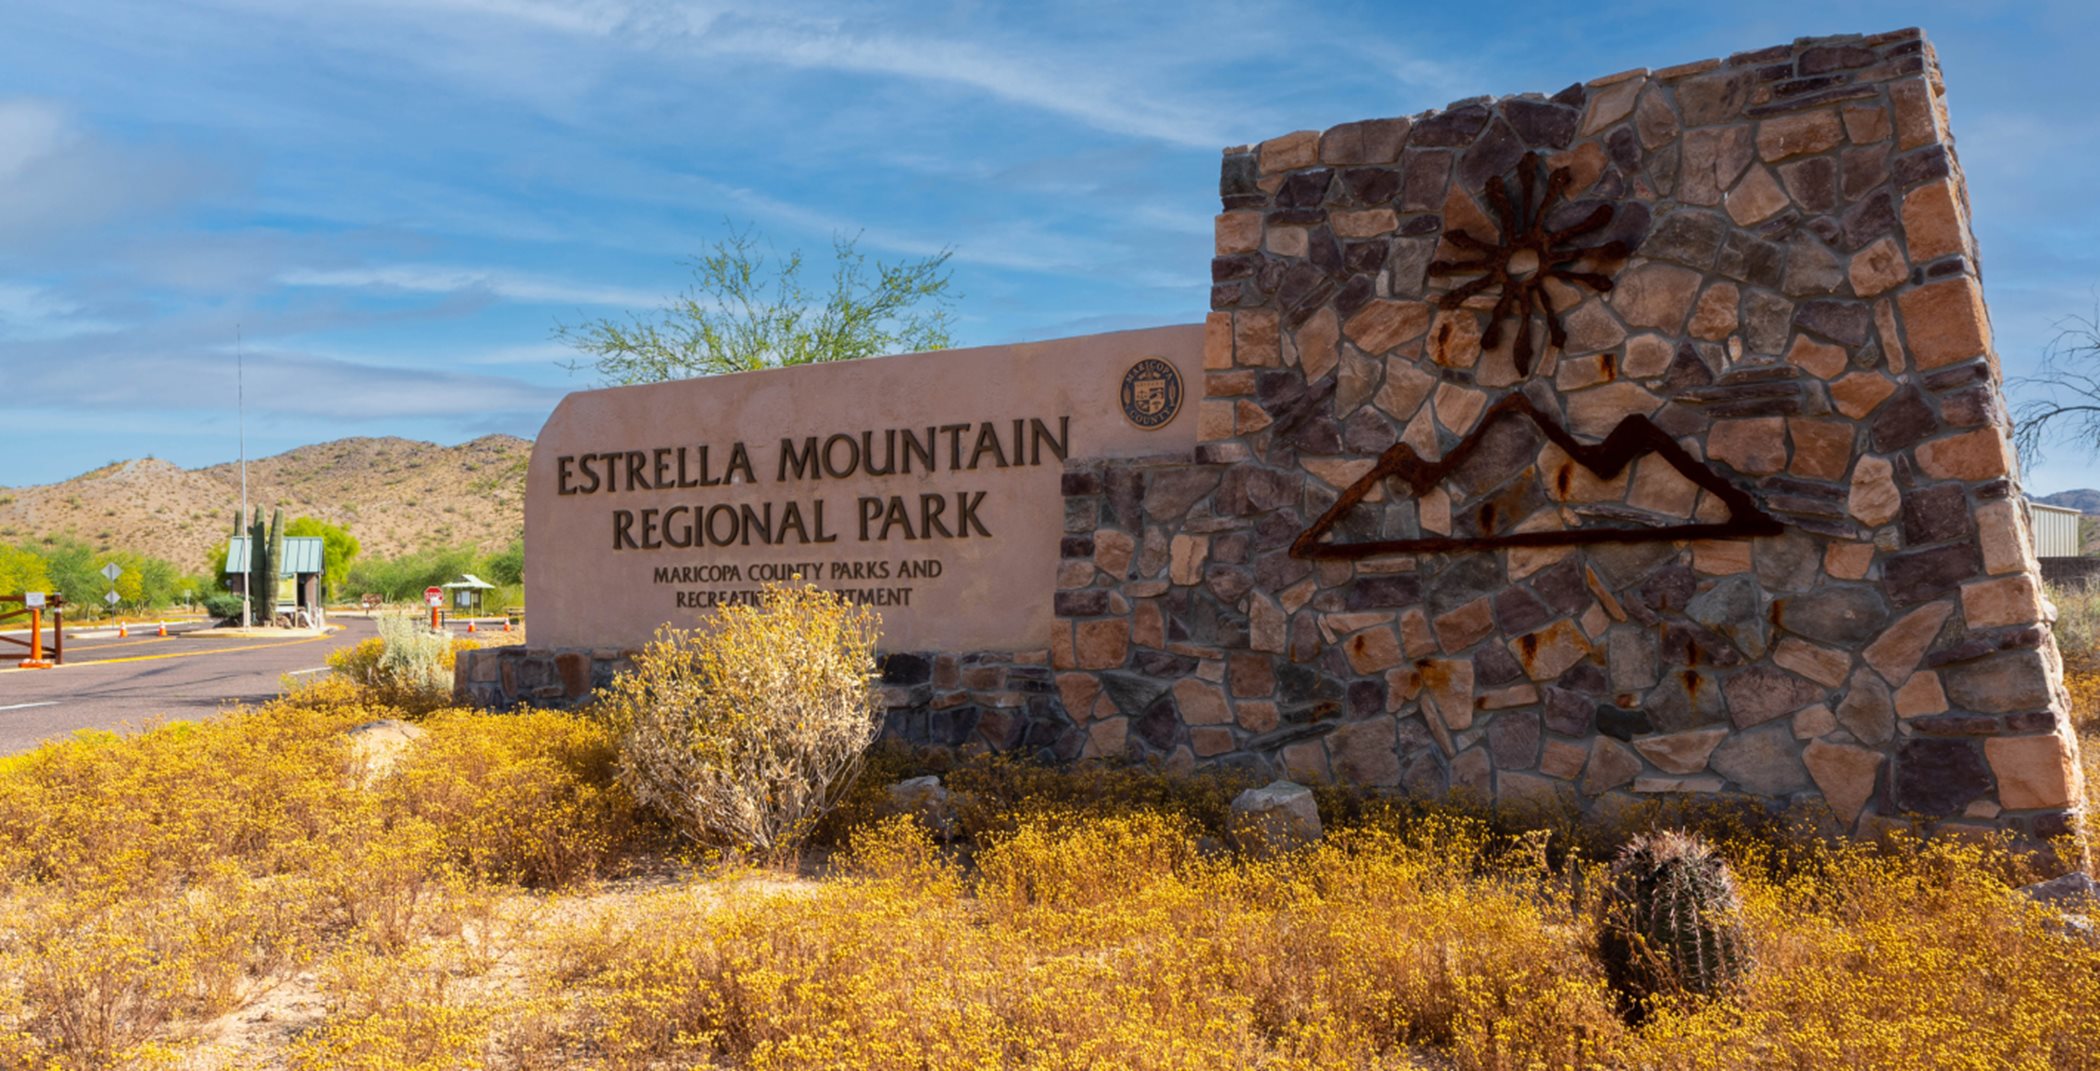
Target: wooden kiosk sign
1643, 440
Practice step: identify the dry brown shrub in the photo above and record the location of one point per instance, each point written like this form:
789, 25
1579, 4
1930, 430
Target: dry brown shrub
2077, 625
745, 733
406, 667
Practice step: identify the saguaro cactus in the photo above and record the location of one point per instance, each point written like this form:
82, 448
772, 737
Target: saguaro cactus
258, 610
276, 547
265, 550
1672, 921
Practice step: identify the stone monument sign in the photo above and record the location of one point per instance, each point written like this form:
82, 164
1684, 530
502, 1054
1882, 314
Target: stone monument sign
1637, 441
924, 485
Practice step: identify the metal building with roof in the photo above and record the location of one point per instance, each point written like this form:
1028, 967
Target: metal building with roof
466, 592
298, 575
2055, 530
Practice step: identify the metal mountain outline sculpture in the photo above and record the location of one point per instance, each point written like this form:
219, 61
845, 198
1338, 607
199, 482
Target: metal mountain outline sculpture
1634, 437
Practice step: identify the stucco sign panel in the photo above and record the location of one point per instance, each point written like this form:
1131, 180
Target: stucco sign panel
924, 485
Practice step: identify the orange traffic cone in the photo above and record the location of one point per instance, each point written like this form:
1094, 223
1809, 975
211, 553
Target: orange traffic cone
163, 628
506, 624
122, 631
470, 624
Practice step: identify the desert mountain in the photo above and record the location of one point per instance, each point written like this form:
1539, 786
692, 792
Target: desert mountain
395, 495
2084, 500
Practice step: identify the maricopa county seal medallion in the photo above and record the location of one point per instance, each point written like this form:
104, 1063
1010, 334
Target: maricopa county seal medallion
1151, 393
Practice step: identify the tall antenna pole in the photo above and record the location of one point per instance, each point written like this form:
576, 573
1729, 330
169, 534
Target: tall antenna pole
240, 408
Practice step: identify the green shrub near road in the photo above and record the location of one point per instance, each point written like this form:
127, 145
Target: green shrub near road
402, 578
73, 570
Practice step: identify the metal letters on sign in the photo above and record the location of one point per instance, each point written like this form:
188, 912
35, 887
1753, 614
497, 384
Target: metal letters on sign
112, 572
1634, 437
1151, 393
1528, 252
1525, 255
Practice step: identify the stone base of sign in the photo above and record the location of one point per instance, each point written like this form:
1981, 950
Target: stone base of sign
556, 678
995, 701
2071, 572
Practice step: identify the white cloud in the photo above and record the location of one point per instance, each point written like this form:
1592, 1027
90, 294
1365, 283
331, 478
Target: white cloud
279, 380
1115, 86
576, 18
1092, 94
29, 130
438, 279
531, 354
1015, 243
34, 312
57, 181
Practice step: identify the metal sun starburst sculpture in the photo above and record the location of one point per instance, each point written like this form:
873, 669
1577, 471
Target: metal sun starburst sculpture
1525, 256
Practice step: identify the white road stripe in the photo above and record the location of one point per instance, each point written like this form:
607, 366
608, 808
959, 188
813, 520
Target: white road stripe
26, 706
304, 672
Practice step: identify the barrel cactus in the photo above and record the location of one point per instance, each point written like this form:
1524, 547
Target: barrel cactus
1672, 921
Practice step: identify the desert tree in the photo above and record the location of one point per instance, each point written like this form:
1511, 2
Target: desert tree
2063, 395
338, 549
748, 307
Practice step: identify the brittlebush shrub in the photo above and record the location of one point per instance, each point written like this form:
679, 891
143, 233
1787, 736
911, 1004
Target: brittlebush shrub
159, 807
2084, 688
160, 876
406, 666
1096, 942
1912, 957
175, 874
1092, 941
992, 793
743, 734
2077, 625
152, 884
531, 798
396, 1013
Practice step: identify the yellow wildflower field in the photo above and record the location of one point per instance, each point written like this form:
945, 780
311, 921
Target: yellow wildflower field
257, 891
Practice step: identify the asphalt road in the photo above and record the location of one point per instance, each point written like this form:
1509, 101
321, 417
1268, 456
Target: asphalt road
117, 683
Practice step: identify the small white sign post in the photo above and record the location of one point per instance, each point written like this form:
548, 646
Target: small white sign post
33, 601
110, 572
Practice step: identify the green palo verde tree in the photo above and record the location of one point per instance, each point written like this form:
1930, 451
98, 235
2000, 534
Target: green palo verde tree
747, 309
338, 549
22, 569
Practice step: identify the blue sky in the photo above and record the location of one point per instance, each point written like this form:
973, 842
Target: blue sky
394, 203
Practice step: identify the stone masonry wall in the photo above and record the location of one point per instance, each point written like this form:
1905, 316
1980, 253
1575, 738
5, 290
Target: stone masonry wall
1787, 287
1735, 303
558, 678
990, 700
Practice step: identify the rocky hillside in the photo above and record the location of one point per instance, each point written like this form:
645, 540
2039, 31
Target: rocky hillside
2084, 500
395, 495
